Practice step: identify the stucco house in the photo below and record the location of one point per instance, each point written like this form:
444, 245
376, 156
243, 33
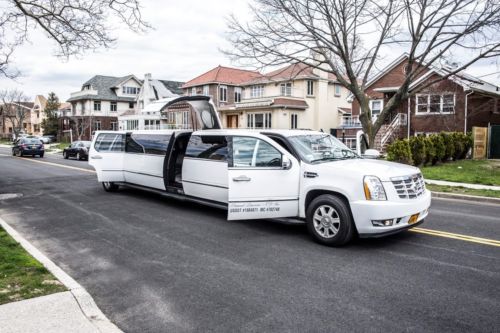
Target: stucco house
295, 96
146, 114
11, 116
37, 115
455, 104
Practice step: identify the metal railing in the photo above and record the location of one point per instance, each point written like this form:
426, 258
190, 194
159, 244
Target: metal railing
350, 121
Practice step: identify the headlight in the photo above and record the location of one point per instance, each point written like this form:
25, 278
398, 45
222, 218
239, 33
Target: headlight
374, 190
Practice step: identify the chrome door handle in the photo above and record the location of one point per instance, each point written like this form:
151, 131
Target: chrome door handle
242, 179
96, 157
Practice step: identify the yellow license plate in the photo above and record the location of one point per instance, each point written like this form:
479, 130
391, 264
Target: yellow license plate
413, 219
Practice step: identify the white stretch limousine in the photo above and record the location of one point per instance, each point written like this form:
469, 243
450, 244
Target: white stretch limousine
264, 174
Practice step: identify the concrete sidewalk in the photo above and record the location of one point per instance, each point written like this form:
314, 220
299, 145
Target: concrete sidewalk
56, 313
473, 186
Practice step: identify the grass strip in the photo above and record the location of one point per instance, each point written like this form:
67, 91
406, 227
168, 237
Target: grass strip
21, 275
463, 190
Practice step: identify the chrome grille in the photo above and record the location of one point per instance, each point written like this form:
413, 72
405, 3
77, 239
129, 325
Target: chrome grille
409, 187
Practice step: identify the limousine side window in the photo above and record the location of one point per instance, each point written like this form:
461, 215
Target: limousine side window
109, 142
253, 152
155, 144
210, 147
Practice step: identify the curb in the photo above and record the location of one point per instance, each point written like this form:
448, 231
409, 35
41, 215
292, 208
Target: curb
466, 197
89, 309
464, 185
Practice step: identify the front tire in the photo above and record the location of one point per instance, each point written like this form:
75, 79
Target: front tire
78, 157
65, 155
110, 186
329, 220
41, 155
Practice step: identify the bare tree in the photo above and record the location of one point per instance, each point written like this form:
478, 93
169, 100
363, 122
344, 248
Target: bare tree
350, 37
14, 109
75, 25
81, 125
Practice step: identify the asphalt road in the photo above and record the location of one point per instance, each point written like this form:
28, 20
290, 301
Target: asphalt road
157, 265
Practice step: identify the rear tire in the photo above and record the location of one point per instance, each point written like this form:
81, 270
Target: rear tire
329, 220
110, 186
20, 154
13, 152
78, 157
41, 155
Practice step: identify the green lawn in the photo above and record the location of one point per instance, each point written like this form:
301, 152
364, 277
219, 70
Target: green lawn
5, 142
463, 190
21, 275
486, 172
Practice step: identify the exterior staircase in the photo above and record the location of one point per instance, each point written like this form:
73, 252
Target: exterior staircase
389, 132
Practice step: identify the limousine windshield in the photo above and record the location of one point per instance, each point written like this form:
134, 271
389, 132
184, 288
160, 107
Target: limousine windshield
316, 148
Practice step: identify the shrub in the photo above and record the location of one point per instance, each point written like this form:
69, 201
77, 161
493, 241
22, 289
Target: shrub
399, 151
417, 147
449, 146
439, 148
430, 151
468, 142
458, 140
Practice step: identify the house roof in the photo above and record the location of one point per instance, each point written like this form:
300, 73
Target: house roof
104, 86
221, 74
467, 81
290, 72
42, 100
64, 106
173, 86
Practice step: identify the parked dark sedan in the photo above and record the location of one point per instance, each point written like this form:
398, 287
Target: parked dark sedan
78, 149
28, 146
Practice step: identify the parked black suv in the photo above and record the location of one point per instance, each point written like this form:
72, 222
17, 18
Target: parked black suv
28, 146
78, 149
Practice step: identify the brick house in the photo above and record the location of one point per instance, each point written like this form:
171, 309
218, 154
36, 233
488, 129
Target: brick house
455, 104
295, 96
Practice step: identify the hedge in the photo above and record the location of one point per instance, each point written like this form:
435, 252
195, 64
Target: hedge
420, 150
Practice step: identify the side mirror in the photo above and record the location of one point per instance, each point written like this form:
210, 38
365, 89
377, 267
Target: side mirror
286, 163
371, 153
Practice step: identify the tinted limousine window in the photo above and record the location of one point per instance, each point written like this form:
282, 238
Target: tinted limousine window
155, 144
210, 147
107, 142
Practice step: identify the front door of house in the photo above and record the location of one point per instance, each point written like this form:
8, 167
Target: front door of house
232, 121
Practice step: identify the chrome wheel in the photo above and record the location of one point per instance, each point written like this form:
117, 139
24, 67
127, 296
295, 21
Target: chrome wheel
326, 221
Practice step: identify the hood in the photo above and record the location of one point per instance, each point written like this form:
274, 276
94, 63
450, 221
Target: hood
368, 167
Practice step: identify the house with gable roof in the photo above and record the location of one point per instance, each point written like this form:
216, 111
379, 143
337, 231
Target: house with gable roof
37, 115
454, 104
295, 96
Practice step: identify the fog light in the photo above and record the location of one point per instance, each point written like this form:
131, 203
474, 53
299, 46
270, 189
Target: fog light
382, 223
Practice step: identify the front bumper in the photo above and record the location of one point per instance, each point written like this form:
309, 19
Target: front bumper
365, 211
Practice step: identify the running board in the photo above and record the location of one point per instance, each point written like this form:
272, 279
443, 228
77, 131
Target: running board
176, 196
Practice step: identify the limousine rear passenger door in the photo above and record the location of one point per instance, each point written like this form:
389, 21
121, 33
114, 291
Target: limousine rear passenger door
263, 180
106, 156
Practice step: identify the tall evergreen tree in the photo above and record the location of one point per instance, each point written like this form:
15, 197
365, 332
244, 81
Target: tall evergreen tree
50, 124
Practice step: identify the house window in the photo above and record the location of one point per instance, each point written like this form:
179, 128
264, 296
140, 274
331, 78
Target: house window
97, 105
206, 90
294, 120
97, 125
114, 126
257, 91
434, 103
286, 89
86, 87
337, 90
130, 90
259, 120
223, 94
132, 124
310, 88
151, 124
237, 94
376, 106
193, 91
113, 107
131, 105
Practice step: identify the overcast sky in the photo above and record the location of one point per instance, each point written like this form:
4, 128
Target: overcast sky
185, 43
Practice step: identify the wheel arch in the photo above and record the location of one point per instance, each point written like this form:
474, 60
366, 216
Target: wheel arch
312, 194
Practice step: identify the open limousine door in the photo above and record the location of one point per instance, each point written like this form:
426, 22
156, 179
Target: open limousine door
191, 112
